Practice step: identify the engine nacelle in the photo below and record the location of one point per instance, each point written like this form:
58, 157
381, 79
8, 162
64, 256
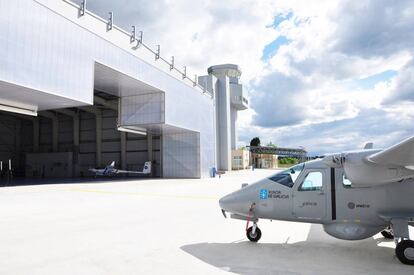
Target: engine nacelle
351, 231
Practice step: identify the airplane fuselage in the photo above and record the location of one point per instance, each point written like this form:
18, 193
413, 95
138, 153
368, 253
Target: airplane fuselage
322, 194
354, 195
108, 171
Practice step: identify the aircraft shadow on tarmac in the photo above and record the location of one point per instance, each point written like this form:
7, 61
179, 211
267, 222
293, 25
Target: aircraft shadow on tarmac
317, 255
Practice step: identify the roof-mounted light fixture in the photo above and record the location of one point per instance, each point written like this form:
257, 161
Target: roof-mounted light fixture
157, 54
139, 40
82, 8
140, 37
133, 36
110, 22
172, 63
185, 72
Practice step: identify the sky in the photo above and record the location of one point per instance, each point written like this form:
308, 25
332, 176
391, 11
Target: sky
325, 75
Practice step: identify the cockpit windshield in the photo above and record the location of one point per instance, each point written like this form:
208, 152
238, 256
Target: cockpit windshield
288, 176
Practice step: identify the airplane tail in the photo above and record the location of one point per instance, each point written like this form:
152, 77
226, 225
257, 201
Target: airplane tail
369, 145
147, 168
112, 164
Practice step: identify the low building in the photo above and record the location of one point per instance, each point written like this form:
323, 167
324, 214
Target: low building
240, 159
266, 161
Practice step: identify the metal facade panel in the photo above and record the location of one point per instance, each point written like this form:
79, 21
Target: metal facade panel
181, 154
142, 109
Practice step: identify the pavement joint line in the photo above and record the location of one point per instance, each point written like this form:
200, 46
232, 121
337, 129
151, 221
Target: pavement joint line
143, 194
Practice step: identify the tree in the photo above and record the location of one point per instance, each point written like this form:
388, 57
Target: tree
288, 160
255, 141
271, 144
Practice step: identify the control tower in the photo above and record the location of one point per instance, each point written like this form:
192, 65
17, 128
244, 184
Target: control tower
230, 97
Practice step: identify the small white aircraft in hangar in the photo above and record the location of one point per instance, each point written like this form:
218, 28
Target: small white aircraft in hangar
110, 170
354, 195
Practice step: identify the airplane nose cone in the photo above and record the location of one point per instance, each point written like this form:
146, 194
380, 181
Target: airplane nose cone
226, 202
237, 203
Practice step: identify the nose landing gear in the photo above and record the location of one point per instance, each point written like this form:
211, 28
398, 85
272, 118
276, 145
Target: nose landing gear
253, 233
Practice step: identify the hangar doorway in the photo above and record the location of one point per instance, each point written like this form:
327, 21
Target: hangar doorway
65, 143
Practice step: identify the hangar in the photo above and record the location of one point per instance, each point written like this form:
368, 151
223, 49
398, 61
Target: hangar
76, 92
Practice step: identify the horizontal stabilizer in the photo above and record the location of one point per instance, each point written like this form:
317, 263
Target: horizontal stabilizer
401, 154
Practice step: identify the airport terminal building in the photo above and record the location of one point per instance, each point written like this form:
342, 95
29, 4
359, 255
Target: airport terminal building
77, 92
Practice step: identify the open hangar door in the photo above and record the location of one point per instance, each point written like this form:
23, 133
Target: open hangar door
15, 141
65, 143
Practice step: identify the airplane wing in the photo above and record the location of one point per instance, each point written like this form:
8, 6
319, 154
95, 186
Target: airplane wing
129, 172
145, 171
400, 154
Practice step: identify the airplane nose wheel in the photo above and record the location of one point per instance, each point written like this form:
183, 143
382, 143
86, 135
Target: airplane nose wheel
253, 233
405, 252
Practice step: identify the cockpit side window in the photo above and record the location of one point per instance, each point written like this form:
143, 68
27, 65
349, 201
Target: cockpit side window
312, 182
289, 176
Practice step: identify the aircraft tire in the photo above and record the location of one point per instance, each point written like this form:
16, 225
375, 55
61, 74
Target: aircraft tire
387, 234
405, 252
256, 237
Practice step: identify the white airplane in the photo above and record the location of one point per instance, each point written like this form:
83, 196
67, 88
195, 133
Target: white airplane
110, 170
354, 195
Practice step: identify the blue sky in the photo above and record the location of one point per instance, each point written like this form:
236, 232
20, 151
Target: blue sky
326, 75
271, 49
370, 81
280, 18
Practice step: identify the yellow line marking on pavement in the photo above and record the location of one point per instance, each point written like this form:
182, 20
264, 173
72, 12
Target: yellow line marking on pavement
144, 194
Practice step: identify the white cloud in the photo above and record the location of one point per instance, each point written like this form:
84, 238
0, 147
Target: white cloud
200, 33
402, 88
305, 86
374, 27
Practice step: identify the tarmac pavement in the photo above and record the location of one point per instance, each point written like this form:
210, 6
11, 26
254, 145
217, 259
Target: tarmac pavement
165, 226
